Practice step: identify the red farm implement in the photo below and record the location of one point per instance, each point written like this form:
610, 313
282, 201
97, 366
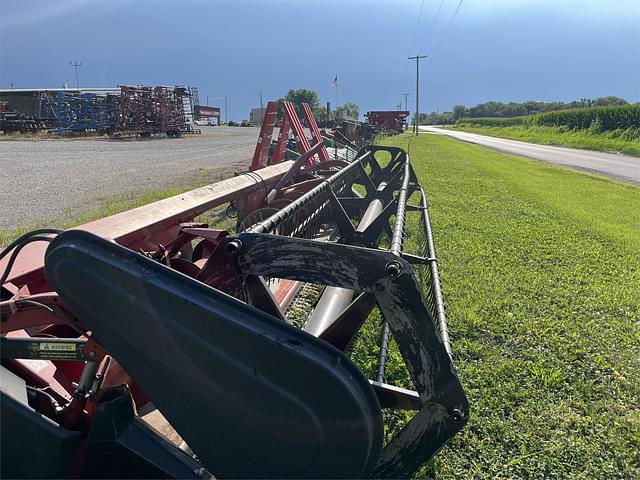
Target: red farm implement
391, 122
289, 124
145, 111
149, 310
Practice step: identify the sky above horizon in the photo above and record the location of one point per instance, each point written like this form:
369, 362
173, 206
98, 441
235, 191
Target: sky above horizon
503, 50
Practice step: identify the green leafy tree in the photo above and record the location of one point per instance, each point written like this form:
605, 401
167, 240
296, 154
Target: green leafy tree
433, 118
300, 96
609, 102
459, 111
348, 110
494, 109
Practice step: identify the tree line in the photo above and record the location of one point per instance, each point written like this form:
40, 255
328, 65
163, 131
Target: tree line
302, 95
514, 109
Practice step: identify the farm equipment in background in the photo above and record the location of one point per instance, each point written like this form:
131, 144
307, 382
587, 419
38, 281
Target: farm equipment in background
145, 111
169, 109
354, 134
12, 121
270, 152
391, 122
292, 140
133, 111
75, 112
106, 112
241, 340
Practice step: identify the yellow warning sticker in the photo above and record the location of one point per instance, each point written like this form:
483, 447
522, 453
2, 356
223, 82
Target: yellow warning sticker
57, 347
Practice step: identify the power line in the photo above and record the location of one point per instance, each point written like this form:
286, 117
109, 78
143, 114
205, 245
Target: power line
433, 24
415, 33
455, 14
435, 19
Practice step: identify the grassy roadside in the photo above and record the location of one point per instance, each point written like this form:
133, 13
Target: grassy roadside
604, 142
540, 270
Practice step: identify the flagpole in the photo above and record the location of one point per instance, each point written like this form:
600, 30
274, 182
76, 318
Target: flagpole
335, 145
336, 77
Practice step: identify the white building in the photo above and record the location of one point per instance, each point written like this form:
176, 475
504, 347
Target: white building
256, 115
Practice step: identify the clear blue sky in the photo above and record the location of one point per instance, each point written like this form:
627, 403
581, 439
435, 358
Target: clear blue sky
494, 50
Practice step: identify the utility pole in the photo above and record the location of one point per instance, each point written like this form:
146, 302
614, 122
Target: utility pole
405, 100
226, 118
261, 107
76, 64
417, 59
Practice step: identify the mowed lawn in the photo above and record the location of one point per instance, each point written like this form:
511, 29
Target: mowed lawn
541, 275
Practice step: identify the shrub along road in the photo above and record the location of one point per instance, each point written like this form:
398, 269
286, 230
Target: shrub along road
621, 167
541, 276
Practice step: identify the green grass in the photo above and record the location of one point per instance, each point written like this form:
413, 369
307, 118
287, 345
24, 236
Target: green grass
605, 142
540, 268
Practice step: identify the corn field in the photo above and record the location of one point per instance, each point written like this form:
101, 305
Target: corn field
608, 118
597, 118
492, 121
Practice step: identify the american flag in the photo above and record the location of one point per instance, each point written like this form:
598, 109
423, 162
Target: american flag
334, 83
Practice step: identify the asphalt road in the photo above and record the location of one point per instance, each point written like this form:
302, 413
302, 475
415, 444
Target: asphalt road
620, 167
43, 180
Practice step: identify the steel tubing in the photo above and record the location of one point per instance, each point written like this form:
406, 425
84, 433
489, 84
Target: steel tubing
397, 238
271, 223
334, 300
435, 275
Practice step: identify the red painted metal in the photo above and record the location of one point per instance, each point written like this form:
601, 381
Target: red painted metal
283, 139
391, 121
147, 226
316, 136
261, 154
290, 123
146, 110
298, 130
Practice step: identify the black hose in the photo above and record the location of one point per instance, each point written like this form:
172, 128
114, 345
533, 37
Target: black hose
19, 244
20, 239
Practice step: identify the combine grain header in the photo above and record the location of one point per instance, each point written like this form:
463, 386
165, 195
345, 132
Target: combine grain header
150, 310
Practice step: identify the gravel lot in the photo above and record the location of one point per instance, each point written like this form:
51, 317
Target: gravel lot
42, 180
